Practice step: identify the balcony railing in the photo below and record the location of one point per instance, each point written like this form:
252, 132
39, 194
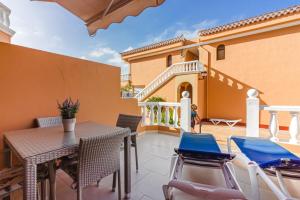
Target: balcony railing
253, 111
4, 16
168, 114
160, 113
125, 77
176, 69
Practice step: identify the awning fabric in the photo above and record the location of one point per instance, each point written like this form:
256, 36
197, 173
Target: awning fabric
99, 14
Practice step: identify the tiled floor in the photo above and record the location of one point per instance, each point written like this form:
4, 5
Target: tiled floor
155, 151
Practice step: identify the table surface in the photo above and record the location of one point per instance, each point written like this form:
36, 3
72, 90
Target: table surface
32, 142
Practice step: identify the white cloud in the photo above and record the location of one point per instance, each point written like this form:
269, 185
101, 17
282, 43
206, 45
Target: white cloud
101, 52
109, 56
180, 28
128, 49
35, 36
193, 30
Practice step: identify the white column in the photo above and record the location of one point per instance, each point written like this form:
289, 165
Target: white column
159, 114
185, 121
294, 128
144, 113
167, 118
273, 126
175, 116
252, 121
151, 114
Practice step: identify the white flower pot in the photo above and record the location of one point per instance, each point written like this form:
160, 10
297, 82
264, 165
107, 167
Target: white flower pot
69, 124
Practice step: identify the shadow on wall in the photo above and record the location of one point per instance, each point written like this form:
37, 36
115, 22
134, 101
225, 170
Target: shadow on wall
226, 96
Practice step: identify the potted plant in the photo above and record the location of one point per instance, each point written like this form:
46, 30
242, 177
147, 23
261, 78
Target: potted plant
68, 110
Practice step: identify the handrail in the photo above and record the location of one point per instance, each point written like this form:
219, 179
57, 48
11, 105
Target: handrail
280, 108
159, 103
175, 69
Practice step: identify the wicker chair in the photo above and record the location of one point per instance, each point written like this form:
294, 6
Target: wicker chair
43, 172
45, 122
98, 157
11, 179
132, 122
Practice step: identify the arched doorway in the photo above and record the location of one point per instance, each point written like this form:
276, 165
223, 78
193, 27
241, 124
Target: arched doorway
185, 86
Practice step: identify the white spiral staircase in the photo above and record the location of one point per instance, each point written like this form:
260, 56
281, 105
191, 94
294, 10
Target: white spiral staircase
170, 72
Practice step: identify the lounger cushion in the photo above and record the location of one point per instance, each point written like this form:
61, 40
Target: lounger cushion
266, 153
201, 145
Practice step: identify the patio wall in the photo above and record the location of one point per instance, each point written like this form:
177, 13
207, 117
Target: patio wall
268, 62
153, 65
31, 81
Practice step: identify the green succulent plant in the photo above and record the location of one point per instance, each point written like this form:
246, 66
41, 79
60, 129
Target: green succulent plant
68, 108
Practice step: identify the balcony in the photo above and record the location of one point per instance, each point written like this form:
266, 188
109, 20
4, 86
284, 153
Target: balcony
125, 77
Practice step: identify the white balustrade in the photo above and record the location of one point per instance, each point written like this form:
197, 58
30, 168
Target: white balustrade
4, 15
125, 77
253, 109
4, 19
161, 113
273, 126
167, 113
173, 70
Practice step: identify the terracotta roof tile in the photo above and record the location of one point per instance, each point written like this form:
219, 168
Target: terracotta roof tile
155, 45
252, 20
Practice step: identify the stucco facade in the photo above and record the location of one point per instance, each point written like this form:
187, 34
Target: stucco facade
5, 32
261, 55
31, 85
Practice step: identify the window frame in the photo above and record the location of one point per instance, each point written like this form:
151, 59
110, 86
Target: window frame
220, 52
169, 60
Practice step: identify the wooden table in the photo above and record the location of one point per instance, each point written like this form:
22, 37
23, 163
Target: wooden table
42, 145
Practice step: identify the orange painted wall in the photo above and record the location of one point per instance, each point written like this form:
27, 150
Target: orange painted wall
167, 91
4, 37
31, 81
144, 70
268, 62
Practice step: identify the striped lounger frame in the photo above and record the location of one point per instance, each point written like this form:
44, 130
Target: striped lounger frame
202, 150
266, 157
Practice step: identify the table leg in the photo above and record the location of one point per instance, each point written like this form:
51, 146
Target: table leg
127, 166
52, 179
30, 189
7, 155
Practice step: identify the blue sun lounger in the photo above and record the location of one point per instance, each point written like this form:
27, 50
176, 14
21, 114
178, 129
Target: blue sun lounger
266, 157
202, 150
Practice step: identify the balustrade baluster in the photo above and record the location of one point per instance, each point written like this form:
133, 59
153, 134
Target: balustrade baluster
175, 116
167, 118
273, 126
159, 114
143, 115
294, 128
152, 114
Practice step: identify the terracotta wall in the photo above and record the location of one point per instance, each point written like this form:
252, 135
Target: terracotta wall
144, 70
268, 62
4, 37
167, 91
31, 82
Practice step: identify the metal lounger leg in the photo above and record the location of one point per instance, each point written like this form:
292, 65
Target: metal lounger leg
282, 184
252, 169
271, 184
230, 178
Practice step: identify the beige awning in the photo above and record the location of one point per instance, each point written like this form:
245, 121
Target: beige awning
99, 14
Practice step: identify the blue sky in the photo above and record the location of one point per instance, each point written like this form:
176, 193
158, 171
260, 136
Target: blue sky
49, 27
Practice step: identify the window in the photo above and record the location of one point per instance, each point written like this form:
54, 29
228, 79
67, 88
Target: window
169, 60
221, 52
